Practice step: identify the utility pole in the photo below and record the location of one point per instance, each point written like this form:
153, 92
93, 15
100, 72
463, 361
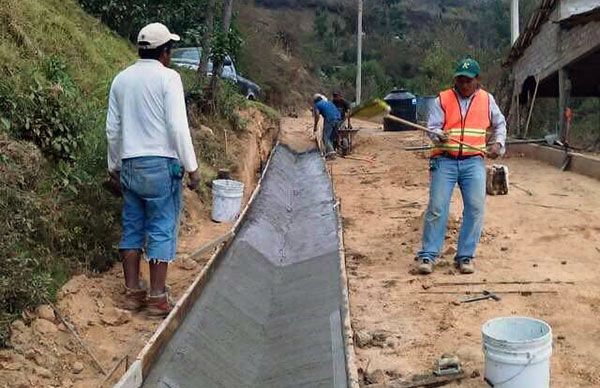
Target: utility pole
514, 21
359, 52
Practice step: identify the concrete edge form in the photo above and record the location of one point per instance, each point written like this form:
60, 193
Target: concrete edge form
338, 322
580, 164
348, 334
132, 377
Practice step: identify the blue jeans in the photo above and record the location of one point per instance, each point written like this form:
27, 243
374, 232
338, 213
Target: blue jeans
152, 201
329, 131
445, 174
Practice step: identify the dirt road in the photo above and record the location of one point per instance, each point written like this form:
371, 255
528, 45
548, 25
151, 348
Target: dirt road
552, 234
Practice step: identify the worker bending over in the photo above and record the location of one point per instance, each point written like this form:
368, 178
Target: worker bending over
331, 122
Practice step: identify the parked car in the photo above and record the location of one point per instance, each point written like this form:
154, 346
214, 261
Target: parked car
189, 58
248, 88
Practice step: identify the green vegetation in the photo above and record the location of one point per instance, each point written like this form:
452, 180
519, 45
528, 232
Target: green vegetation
410, 44
54, 216
407, 43
127, 17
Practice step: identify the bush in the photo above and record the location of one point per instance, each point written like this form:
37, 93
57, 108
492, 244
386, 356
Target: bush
50, 113
23, 283
229, 100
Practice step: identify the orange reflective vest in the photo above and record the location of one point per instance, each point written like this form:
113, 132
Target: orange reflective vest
470, 129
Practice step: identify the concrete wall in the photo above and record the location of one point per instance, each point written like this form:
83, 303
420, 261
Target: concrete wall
554, 47
580, 164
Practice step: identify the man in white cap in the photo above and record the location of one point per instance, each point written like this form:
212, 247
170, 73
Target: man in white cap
149, 151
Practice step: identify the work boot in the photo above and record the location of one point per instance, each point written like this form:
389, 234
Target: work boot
160, 305
425, 266
465, 266
135, 298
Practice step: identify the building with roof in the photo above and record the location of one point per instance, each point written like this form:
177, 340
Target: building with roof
557, 55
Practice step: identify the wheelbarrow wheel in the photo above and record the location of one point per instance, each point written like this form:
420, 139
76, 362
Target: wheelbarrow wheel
345, 146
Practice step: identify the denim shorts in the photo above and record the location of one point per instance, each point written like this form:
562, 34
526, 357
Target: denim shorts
152, 202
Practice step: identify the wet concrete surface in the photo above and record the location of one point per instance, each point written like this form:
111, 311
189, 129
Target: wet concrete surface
271, 314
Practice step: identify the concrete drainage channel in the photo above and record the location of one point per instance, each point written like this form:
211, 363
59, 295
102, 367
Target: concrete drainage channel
273, 307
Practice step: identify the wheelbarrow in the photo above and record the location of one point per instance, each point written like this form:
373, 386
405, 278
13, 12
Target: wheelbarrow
345, 140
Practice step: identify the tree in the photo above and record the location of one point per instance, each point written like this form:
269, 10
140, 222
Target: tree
206, 39
221, 46
127, 17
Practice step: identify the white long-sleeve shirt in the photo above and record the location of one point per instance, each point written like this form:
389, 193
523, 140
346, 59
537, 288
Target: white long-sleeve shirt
147, 116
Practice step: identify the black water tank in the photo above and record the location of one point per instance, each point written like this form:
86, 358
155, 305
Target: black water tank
404, 105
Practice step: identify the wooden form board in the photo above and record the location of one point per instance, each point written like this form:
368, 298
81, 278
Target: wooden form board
348, 332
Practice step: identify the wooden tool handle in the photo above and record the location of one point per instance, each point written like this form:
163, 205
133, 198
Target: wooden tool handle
424, 129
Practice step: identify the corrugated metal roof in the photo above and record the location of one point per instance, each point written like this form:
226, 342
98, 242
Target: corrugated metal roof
536, 20
582, 18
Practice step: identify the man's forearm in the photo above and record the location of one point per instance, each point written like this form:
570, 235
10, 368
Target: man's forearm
113, 133
498, 123
436, 120
113, 156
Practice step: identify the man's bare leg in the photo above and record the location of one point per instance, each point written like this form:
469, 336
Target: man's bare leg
159, 302
158, 278
131, 267
135, 292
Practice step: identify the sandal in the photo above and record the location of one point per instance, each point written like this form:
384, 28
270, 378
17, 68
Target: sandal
160, 305
135, 298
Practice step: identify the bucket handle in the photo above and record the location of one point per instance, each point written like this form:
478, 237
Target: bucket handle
531, 357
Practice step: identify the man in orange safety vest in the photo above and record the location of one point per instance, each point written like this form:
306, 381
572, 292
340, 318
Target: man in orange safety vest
465, 113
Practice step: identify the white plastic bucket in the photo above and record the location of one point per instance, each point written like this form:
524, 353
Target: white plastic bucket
517, 352
227, 199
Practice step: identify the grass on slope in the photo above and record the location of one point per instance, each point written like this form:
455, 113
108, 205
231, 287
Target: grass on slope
33, 30
56, 67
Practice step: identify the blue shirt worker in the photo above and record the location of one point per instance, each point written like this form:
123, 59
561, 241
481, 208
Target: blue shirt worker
332, 119
463, 113
149, 150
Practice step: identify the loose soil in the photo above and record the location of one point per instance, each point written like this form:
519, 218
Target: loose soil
552, 234
44, 353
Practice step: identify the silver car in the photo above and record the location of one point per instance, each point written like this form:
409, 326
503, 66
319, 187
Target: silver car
189, 58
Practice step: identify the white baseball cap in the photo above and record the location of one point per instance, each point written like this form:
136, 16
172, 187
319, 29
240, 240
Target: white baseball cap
317, 96
155, 35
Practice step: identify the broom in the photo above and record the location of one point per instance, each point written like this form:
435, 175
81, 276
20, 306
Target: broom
377, 110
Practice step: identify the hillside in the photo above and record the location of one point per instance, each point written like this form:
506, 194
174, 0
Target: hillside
56, 217
34, 31
406, 43
57, 63
311, 45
